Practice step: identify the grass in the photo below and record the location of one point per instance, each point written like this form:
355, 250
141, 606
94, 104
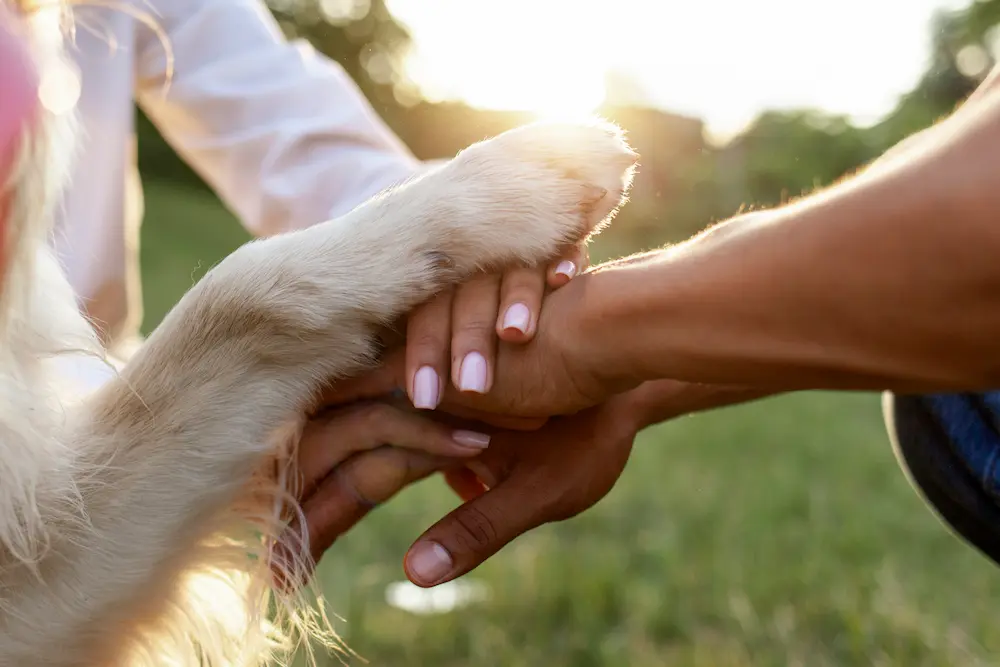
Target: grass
775, 534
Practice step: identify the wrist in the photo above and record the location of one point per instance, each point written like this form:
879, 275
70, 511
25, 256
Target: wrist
661, 400
643, 306
594, 346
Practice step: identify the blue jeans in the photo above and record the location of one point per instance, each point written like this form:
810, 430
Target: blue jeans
949, 444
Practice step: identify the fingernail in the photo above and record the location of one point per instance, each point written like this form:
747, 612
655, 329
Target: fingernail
517, 317
425, 389
471, 439
566, 268
472, 376
428, 562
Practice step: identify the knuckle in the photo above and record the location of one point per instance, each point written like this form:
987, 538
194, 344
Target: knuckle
439, 301
475, 530
527, 294
476, 329
375, 416
350, 484
525, 280
426, 340
429, 318
474, 292
478, 282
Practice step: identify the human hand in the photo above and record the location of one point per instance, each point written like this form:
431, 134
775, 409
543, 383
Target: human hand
547, 475
525, 480
353, 458
456, 333
522, 481
560, 371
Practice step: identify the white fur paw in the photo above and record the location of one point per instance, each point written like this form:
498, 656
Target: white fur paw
525, 194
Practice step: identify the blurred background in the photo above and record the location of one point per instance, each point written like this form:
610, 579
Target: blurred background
781, 533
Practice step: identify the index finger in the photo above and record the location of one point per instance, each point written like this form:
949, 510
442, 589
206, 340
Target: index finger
428, 331
343, 499
521, 293
570, 264
389, 378
468, 536
328, 442
381, 381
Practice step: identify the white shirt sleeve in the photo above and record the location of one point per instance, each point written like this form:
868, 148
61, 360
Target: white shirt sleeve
281, 133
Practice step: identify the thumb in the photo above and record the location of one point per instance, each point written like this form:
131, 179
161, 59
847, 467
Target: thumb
466, 538
377, 383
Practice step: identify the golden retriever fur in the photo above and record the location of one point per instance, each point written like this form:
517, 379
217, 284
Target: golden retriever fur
138, 522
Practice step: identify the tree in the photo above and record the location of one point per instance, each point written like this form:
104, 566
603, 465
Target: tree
361, 35
960, 57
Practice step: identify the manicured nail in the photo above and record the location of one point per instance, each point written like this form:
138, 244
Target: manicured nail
471, 439
472, 376
426, 394
566, 268
517, 317
428, 562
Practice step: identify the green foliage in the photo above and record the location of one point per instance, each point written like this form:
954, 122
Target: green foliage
943, 84
684, 183
775, 534
361, 35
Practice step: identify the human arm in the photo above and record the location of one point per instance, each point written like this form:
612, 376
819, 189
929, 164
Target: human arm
887, 280
658, 401
287, 140
356, 457
280, 132
525, 480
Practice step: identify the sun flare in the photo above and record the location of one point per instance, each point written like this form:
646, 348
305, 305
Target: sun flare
514, 62
721, 60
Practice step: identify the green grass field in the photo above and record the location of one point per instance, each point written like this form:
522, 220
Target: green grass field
777, 534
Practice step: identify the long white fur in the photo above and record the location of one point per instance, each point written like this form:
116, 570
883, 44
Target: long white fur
137, 523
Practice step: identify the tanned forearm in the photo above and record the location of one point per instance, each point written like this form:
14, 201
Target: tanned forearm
661, 400
888, 280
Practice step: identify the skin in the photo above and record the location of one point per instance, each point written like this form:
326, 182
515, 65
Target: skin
454, 336
524, 480
366, 472
346, 475
887, 280
346, 469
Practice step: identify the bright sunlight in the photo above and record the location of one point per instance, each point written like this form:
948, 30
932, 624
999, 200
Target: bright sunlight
721, 60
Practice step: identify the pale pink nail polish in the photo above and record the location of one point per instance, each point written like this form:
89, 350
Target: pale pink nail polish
428, 562
471, 439
472, 376
426, 389
566, 268
517, 317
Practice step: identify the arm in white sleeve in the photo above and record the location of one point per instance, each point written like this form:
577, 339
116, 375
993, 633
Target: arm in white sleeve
281, 133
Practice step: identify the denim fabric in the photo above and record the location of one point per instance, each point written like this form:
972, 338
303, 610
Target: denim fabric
972, 424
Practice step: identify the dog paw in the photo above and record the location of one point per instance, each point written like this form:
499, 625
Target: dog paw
525, 194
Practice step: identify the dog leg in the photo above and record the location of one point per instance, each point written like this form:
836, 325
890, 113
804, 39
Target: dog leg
169, 448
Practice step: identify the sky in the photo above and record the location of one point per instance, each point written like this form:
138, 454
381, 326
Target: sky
721, 60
